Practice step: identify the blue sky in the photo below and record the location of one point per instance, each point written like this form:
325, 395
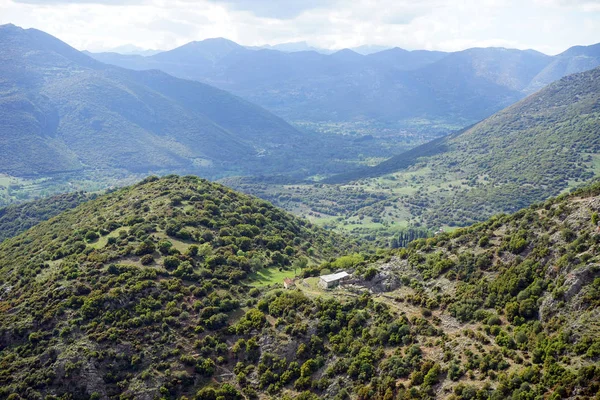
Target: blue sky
550, 26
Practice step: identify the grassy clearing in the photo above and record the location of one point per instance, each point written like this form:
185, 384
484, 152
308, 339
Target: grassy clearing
103, 240
270, 276
449, 229
49, 271
8, 180
311, 289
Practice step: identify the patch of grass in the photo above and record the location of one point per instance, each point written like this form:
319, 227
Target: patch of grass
270, 276
101, 242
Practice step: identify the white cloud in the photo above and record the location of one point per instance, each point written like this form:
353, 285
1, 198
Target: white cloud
546, 25
276, 9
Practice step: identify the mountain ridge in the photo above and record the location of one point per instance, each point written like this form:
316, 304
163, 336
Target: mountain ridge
65, 111
396, 86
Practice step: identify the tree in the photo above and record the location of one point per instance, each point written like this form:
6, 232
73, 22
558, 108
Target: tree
171, 262
308, 368
300, 264
432, 376
91, 236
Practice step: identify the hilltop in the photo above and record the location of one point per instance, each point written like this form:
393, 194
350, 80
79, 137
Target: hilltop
145, 293
109, 297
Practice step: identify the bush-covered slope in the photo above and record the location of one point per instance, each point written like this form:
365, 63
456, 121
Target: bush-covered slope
63, 111
122, 294
157, 307
526, 153
16, 219
516, 300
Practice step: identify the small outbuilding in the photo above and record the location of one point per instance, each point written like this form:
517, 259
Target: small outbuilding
288, 283
333, 280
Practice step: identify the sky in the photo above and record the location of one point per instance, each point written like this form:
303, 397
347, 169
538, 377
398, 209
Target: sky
549, 26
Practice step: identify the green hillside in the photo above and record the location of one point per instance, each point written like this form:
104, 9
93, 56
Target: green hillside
537, 148
147, 292
123, 286
63, 111
15, 219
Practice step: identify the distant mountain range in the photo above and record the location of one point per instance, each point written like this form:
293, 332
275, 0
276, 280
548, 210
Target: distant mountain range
131, 49
393, 86
288, 47
293, 47
64, 111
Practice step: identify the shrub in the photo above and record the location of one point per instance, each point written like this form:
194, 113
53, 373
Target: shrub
164, 247
147, 259
370, 273
171, 262
484, 241
146, 247
91, 236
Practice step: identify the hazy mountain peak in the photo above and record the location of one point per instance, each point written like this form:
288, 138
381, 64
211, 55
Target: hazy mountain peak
212, 49
367, 49
9, 26
347, 53
131, 49
590, 51
291, 47
39, 48
221, 41
394, 50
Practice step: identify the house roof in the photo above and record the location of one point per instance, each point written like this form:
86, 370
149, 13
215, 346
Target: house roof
288, 280
335, 277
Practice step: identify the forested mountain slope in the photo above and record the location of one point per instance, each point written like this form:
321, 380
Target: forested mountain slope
525, 153
15, 219
143, 293
64, 111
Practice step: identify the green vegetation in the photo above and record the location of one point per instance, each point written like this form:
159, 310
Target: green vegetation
172, 288
156, 271
540, 147
368, 211
18, 218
